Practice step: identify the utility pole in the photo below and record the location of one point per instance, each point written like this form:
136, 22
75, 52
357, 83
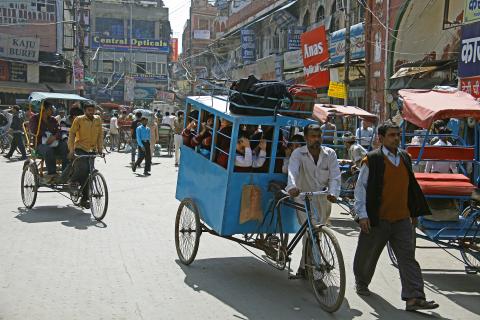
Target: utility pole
192, 84
347, 52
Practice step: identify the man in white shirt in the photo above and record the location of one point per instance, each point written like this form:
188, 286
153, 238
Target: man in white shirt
314, 167
364, 134
355, 151
441, 166
114, 131
168, 119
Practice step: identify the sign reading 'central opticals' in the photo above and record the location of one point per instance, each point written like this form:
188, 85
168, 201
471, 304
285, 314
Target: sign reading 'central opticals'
124, 44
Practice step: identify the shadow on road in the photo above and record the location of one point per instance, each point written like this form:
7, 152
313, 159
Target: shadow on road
345, 226
459, 287
69, 216
258, 291
384, 310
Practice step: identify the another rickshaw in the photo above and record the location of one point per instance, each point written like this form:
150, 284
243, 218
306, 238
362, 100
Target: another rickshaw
421, 108
250, 208
34, 168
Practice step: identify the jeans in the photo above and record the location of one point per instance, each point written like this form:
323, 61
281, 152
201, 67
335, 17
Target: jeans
50, 155
147, 155
81, 171
17, 142
134, 146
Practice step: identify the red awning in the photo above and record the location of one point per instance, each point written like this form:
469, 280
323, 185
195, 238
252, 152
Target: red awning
322, 111
423, 107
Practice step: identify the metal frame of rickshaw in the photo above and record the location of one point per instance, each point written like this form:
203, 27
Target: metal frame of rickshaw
468, 227
39, 98
245, 234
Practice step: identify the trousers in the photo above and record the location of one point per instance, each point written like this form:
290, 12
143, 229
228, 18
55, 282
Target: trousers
147, 155
81, 171
17, 142
370, 246
50, 154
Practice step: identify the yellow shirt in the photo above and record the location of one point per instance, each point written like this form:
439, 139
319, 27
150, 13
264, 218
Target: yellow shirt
86, 134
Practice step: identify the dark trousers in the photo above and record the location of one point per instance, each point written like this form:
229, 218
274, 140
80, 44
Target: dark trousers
51, 154
370, 246
17, 142
146, 154
81, 171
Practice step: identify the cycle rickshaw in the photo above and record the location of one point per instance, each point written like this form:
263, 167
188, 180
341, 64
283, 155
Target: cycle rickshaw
34, 169
422, 108
211, 199
349, 179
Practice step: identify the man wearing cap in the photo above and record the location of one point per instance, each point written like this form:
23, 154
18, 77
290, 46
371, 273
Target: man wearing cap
17, 132
85, 138
143, 141
48, 139
314, 167
355, 152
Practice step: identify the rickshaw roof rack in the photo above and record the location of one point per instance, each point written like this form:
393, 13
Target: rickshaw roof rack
423, 107
40, 96
322, 111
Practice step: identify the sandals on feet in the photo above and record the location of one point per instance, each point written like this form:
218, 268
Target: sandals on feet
421, 304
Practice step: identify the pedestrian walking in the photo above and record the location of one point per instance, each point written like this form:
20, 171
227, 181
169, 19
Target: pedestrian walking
17, 131
114, 131
178, 126
388, 200
133, 134
143, 141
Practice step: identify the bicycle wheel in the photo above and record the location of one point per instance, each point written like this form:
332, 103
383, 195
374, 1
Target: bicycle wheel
98, 196
470, 256
29, 185
328, 278
187, 231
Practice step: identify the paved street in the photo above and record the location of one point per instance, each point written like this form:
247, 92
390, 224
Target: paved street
55, 263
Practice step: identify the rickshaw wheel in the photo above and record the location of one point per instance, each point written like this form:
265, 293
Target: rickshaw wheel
98, 196
328, 280
187, 231
471, 260
29, 185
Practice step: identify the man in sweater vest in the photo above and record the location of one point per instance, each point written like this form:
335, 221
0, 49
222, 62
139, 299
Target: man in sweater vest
388, 200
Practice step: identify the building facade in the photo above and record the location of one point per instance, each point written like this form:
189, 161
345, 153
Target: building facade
129, 50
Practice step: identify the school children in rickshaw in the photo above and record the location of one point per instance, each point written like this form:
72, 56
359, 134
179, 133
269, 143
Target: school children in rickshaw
17, 132
85, 138
190, 130
223, 142
48, 140
295, 142
314, 167
441, 166
245, 158
204, 138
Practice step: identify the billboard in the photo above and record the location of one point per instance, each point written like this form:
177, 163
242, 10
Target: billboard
315, 54
123, 44
248, 46
469, 60
472, 11
336, 46
22, 48
201, 34
293, 37
471, 85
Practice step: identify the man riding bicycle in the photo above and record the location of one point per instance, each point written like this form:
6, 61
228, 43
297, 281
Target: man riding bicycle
85, 138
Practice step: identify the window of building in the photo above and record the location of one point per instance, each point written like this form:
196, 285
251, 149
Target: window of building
109, 27
143, 29
320, 14
107, 66
203, 24
141, 67
306, 19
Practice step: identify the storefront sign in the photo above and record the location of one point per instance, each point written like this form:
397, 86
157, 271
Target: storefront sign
293, 38
123, 44
292, 60
315, 54
165, 96
174, 49
23, 48
201, 34
337, 90
357, 44
149, 77
248, 46
472, 11
471, 85
18, 72
145, 93
469, 62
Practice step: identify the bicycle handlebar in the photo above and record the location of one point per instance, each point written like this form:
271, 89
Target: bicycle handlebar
310, 193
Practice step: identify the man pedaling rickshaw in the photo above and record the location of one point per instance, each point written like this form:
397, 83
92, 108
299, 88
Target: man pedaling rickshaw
85, 138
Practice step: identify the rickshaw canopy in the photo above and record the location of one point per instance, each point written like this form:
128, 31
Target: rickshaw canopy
322, 111
423, 107
36, 98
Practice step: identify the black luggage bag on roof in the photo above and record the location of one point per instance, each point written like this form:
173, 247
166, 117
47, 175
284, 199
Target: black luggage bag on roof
250, 96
